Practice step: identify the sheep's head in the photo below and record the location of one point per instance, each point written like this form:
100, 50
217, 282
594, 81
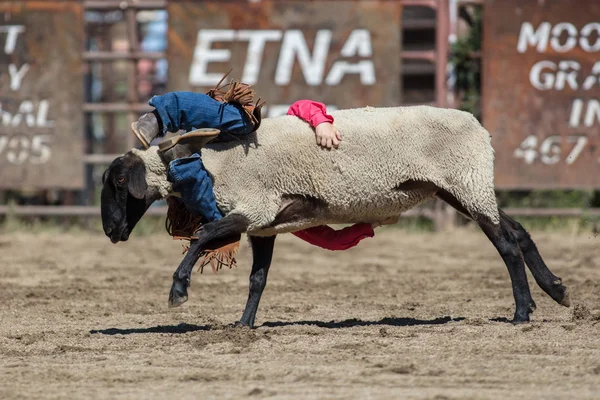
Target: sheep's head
124, 198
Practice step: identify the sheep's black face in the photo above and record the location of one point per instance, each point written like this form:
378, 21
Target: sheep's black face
123, 197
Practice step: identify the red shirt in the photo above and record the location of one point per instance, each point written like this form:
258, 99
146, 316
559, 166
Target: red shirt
323, 236
330, 239
310, 111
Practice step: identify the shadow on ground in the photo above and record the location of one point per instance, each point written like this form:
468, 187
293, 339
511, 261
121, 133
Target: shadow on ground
181, 328
349, 323
501, 319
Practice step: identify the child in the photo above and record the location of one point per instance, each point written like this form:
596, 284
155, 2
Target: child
188, 111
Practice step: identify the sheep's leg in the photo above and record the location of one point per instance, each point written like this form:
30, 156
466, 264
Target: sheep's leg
262, 252
508, 247
232, 224
509, 250
550, 283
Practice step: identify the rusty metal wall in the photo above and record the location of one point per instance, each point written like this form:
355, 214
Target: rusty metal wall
41, 92
343, 53
541, 92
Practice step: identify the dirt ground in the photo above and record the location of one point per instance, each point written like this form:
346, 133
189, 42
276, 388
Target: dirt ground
404, 315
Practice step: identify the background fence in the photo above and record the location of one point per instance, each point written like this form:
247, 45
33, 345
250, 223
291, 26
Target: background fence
65, 116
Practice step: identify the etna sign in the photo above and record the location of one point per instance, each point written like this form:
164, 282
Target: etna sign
343, 53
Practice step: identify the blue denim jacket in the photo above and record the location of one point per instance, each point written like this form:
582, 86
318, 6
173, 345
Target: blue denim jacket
188, 111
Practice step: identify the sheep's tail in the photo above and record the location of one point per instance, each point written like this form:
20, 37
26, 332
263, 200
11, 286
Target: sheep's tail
182, 225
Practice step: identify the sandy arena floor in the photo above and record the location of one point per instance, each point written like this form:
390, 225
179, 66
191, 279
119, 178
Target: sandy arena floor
412, 316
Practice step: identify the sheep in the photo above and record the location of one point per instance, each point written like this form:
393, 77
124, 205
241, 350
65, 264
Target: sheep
276, 181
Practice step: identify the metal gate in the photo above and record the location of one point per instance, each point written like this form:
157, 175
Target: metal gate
116, 113
84, 203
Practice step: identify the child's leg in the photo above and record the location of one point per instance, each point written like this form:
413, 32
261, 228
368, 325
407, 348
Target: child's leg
191, 179
189, 111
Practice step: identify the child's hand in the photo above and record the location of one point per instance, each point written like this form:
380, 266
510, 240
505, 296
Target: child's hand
327, 135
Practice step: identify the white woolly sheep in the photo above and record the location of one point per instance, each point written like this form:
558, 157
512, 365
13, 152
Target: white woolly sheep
277, 180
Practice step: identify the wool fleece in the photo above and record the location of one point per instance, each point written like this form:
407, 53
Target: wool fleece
361, 181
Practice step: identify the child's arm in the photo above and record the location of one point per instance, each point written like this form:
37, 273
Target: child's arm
330, 239
327, 135
315, 114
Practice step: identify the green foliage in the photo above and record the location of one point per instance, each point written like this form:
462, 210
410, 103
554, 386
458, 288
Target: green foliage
567, 225
546, 198
413, 224
467, 66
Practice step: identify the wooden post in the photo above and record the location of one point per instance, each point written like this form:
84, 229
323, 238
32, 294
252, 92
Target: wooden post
132, 90
444, 216
441, 49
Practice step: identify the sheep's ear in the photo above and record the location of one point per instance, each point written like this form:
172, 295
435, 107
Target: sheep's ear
137, 185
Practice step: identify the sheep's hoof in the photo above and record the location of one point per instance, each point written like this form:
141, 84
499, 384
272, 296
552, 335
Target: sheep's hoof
522, 315
178, 294
242, 325
559, 293
566, 300
519, 320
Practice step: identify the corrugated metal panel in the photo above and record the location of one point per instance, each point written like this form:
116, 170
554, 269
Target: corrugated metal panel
541, 92
41, 92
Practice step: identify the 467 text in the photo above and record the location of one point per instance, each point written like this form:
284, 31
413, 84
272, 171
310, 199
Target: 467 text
549, 150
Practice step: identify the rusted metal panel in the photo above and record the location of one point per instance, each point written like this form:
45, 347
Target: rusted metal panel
541, 92
41, 92
343, 53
